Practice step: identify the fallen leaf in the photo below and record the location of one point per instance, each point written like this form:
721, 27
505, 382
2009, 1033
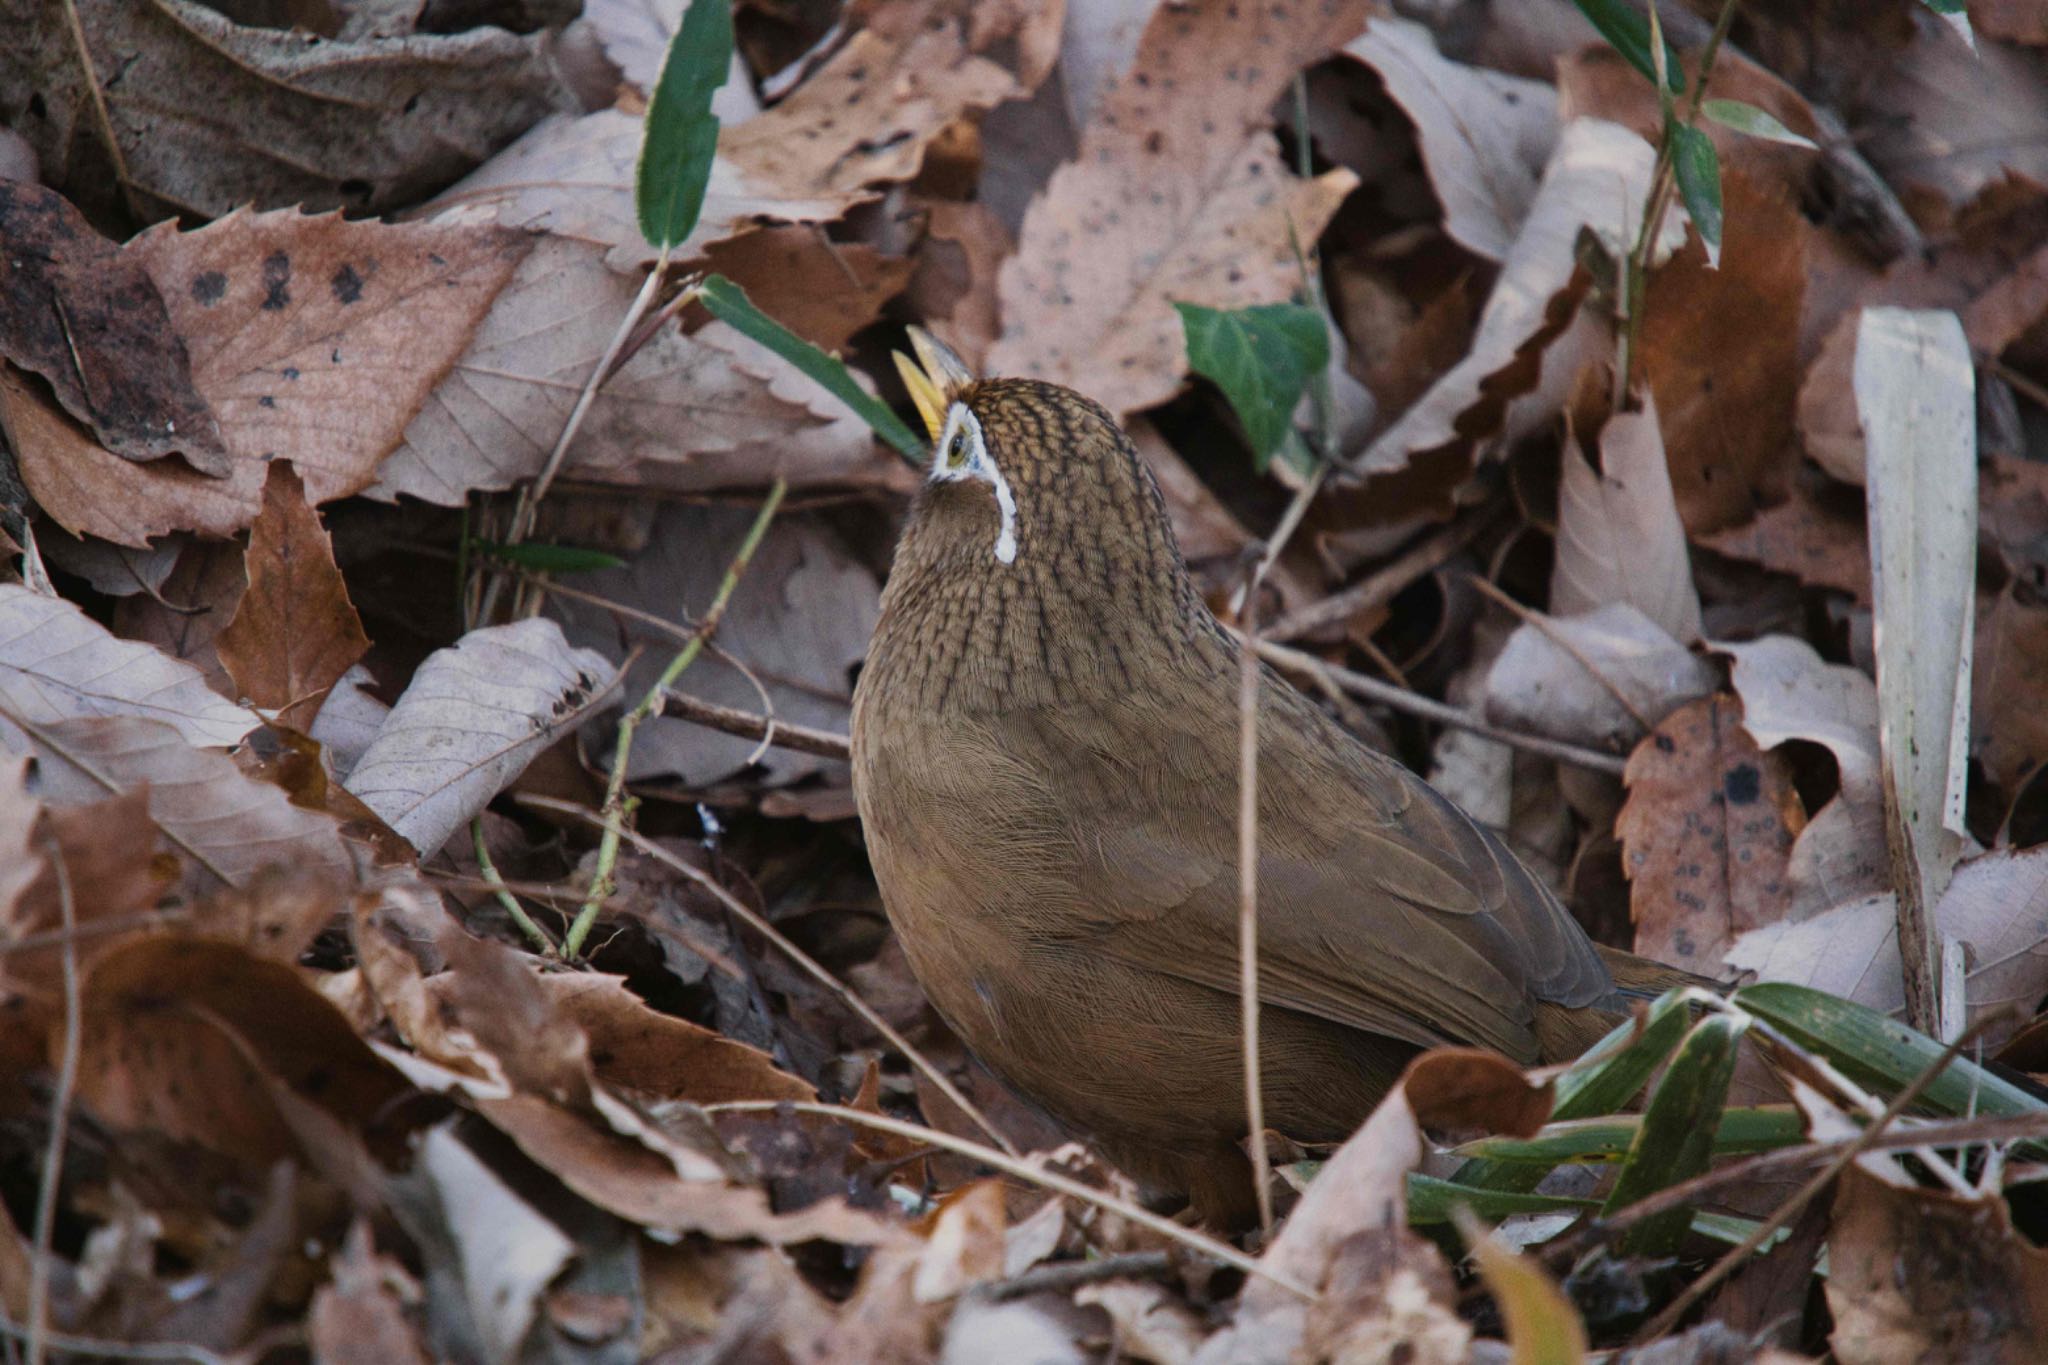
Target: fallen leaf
472, 718
356, 1319
1619, 538
295, 632
2019, 21
1961, 117
56, 663
2011, 658
1596, 179
1485, 136
83, 314
953, 286
1597, 679
710, 409
207, 114
822, 290
1816, 535
1176, 194
1705, 834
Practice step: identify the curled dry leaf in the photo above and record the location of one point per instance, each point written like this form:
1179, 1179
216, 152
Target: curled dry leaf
1705, 835
689, 412
230, 827
1619, 538
295, 632
314, 340
474, 715
83, 314
1177, 194
57, 663
1485, 136
1597, 679
208, 114
1597, 178
1789, 692
1996, 905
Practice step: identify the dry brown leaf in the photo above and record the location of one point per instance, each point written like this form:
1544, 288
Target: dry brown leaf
1596, 179
1816, 535
1789, 692
705, 410
1706, 834
1920, 1274
1720, 352
209, 115
2007, 719
1619, 538
954, 285
1959, 117
822, 290
108, 850
1177, 193
57, 663
77, 310
2018, 21
357, 1319
314, 340
230, 826
295, 632
640, 1048
1484, 136
1997, 905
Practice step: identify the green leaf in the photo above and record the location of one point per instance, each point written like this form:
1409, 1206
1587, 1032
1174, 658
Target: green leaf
729, 303
1699, 183
549, 558
1879, 1052
1262, 358
1629, 30
1945, 6
682, 132
1677, 1133
1743, 1132
1430, 1201
1751, 121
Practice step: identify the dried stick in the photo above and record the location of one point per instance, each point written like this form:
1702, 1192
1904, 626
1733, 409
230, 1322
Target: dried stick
60, 1116
1380, 588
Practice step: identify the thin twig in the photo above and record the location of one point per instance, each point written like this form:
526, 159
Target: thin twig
1415, 704
1063, 1277
60, 1116
779, 733
1248, 897
1027, 1170
1378, 589
1790, 1209
810, 965
615, 804
101, 1349
504, 894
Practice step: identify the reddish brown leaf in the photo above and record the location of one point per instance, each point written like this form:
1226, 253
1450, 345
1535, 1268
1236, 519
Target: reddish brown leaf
822, 290
1706, 832
295, 631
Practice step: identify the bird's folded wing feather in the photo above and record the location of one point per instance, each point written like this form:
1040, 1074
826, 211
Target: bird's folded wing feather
1382, 906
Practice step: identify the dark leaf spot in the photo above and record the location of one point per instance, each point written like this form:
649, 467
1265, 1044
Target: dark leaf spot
209, 287
347, 285
277, 281
1743, 784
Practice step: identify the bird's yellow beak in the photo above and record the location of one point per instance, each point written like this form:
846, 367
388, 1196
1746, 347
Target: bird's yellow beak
933, 379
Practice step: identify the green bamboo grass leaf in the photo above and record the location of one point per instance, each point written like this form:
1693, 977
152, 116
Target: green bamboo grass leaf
1743, 1132
1751, 121
1676, 1136
1699, 183
729, 303
549, 558
1262, 358
682, 132
1430, 1201
1629, 30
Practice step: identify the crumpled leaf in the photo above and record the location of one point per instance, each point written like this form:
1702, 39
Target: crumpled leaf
1619, 538
77, 310
210, 115
1177, 192
1484, 135
56, 663
474, 715
1595, 679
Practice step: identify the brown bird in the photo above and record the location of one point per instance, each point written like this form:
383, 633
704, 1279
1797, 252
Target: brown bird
1045, 756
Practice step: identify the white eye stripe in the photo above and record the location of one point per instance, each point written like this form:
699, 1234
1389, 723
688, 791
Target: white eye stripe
962, 453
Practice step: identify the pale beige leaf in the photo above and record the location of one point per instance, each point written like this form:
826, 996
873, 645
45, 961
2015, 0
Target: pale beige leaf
1619, 538
1996, 905
1485, 136
474, 715
506, 1252
56, 663
231, 826
20, 862
1597, 179
1916, 400
709, 409
1789, 692
1177, 193
1593, 679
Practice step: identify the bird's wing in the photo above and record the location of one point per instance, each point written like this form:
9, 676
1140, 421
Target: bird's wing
1382, 906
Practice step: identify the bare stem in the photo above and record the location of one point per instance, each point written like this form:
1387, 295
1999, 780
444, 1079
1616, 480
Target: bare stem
60, 1116
492, 879
1248, 897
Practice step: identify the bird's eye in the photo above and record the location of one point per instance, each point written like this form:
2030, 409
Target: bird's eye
956, 450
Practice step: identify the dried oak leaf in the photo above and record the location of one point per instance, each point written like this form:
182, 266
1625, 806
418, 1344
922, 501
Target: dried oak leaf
295, 632
691, 411
1816, 535
1706, 832
208, 114
1619, 538
1177, 193
83, 314
314, 339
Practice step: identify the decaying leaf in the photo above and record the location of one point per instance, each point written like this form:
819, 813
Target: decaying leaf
473, 717
1177, 193
1619, 538
1601, 679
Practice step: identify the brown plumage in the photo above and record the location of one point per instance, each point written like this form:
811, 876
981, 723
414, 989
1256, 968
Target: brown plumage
1045, 759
